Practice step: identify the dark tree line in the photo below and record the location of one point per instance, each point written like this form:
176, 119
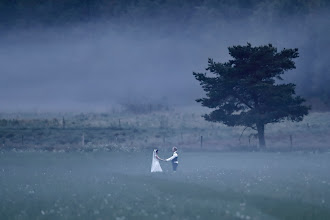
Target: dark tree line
55, 12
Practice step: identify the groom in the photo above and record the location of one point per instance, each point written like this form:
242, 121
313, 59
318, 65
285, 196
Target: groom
174, 159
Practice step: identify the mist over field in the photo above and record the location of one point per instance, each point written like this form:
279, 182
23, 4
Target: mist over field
91, 89
144, 55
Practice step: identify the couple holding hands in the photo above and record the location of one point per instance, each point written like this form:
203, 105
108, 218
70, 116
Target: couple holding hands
155, 165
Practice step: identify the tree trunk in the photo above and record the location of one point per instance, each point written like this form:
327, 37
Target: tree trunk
261, 134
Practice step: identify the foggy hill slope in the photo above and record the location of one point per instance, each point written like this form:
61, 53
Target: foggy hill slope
69, 55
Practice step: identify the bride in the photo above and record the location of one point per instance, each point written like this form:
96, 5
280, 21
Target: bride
155, 166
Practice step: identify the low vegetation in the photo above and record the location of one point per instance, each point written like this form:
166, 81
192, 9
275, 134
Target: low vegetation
126, 131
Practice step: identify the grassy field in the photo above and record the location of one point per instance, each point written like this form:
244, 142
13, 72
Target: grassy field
117, 185
118, 130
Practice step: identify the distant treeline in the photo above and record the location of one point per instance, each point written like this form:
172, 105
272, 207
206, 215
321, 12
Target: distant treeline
59, 12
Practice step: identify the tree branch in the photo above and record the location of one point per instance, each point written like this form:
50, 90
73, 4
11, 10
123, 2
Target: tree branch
244, 102
239, 139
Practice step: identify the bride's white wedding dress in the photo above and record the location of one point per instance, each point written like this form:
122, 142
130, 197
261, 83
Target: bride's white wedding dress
155, 166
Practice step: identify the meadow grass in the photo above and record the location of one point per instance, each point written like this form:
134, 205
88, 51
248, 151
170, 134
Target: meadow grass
117, 185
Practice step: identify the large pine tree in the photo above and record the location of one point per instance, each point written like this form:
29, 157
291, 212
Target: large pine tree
245, 91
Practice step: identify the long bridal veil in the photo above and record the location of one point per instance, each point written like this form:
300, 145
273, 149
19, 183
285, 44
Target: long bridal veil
155, 166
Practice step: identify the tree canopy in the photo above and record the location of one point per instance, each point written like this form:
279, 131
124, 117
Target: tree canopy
245, 91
